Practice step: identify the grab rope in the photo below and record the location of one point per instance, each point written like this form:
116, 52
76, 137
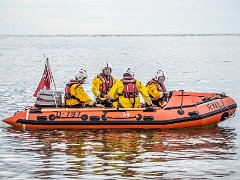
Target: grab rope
232, 113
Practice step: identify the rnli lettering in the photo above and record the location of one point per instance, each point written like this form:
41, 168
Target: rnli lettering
215, 105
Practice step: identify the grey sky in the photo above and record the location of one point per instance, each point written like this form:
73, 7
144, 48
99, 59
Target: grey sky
119, 16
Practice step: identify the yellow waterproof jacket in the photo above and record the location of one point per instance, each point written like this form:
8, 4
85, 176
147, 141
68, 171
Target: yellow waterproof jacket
78, 96
117, 92
153, 91
96, 87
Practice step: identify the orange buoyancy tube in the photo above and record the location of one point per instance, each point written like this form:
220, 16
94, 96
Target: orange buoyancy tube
201, 109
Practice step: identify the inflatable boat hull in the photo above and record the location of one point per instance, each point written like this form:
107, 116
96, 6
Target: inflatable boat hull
184, 109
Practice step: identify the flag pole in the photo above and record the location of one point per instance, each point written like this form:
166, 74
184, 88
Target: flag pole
50, 71
51, 78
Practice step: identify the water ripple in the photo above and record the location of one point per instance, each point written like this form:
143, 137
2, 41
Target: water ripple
194, 63
115, 154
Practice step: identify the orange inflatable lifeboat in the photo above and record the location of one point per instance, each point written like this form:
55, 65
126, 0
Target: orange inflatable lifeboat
183, 109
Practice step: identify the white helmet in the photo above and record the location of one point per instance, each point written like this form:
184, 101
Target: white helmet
81, 75
129, 71
107, 65
159, 74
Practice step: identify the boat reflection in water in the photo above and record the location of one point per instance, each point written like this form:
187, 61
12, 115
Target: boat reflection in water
152, 153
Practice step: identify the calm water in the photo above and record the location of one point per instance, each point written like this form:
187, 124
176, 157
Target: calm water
192, 63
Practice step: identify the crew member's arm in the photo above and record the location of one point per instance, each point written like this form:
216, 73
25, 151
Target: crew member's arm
143, 90
153, 91
116, 89
96, 83
79, 93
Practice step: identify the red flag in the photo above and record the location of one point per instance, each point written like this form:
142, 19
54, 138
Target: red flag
45, 81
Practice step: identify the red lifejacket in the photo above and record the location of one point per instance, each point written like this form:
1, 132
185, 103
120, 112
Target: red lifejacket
130, 89
68, 87
107, 83
160, 86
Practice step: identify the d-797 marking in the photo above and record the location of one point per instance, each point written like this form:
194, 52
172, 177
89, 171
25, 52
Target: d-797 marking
68, 114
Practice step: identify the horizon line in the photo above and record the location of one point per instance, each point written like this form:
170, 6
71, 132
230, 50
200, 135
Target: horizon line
180, 34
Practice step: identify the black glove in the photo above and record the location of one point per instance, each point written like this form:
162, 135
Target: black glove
146, 105
99, 101
102, 95
108, 103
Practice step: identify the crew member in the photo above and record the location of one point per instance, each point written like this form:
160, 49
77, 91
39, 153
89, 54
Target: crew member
126, 92
156, 89
75, 95
102, 84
